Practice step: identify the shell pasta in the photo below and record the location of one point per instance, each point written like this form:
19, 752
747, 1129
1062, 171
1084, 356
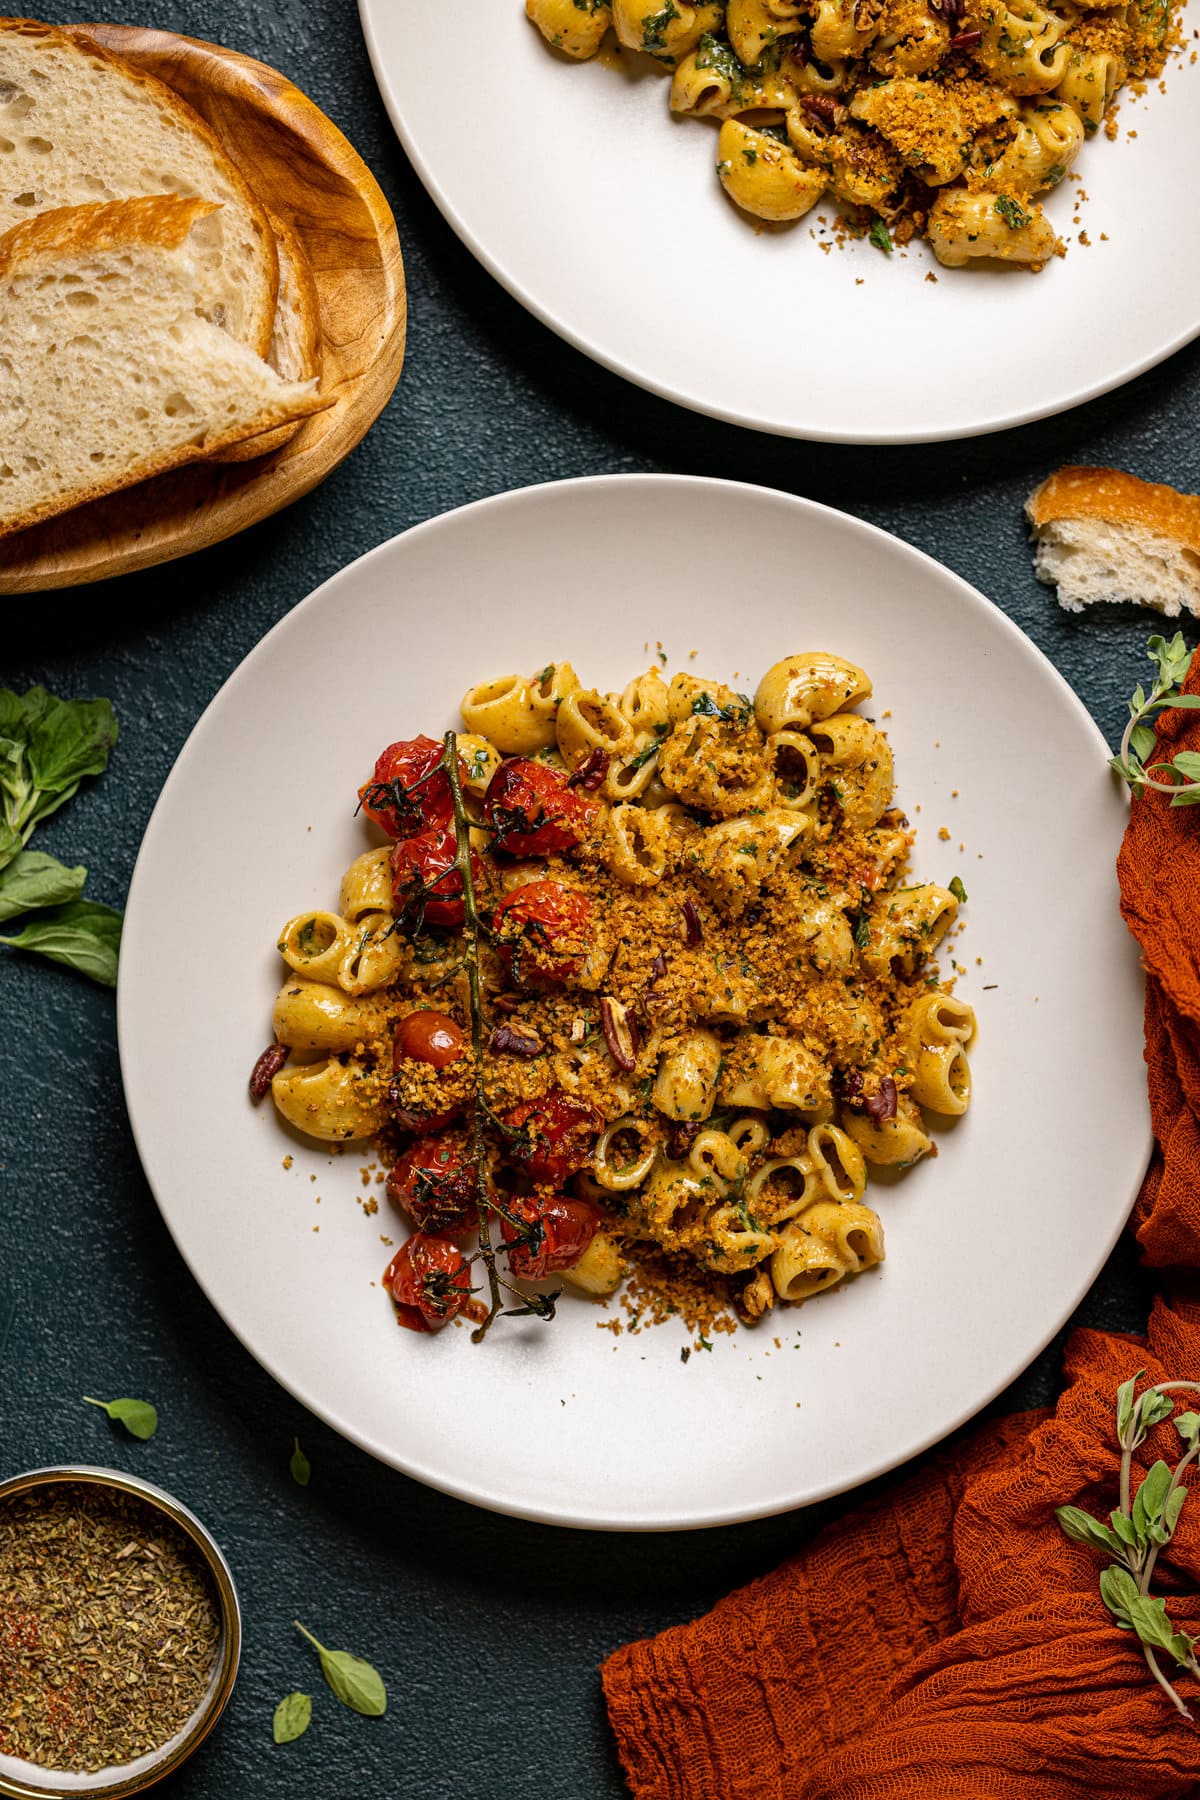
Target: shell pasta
631, 975
938, 118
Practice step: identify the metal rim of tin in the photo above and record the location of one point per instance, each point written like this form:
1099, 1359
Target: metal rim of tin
102, 1786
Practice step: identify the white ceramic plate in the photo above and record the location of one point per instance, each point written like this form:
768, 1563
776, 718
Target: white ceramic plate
602, 214
990, 1246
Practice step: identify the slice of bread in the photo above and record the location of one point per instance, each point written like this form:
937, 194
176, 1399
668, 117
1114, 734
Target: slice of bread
1104, 535
78, 126
108, 372
295, 351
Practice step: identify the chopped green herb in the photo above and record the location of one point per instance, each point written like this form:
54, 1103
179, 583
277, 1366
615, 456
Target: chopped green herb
881, 237
1014, 216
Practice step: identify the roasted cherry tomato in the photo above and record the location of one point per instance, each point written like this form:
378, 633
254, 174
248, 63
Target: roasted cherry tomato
568, 1227
429, 1037
543, 931
434, 1183
555, 1137
425, 884
434, 1039
534, 811
392, 797
428, 1277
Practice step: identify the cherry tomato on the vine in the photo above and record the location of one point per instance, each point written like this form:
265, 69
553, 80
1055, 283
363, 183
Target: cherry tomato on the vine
429, 1278
429, 1037
425, 883
435, 1184
543, 932
393, 798
533, 811
567, 1226
414, 1103
555, 1137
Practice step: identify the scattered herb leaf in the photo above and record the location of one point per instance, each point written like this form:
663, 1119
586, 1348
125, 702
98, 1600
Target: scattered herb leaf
47, 748
139, 1418
958, 890
82, 935
881, 237
34, 879
292, 1718
300, 1467
354, 1682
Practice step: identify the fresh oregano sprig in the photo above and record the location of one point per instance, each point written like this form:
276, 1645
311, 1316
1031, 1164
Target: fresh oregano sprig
1180, 775
1141, 1525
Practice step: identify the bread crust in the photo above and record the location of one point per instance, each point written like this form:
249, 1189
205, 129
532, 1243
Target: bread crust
162, 220
1078, 492
74, 37
295, 273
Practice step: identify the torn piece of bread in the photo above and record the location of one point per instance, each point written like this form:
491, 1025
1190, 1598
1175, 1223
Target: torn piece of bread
78, 126
108, 373
1104, 535
295, 351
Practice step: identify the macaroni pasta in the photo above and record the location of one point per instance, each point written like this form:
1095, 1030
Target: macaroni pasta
937, 118
706, 1003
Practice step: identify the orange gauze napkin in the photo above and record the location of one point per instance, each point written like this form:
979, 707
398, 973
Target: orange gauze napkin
946, 1640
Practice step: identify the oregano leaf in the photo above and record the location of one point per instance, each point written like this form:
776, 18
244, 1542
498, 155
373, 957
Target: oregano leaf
1150, 1621
1142, 741
292, 1718
299, 1467
1172, 1510
1118, 1590
1125, 1403
139, 1418
1148, 1502
1188, 1426
352, 1681
1081, 1528
1122, 1525
1153, 1410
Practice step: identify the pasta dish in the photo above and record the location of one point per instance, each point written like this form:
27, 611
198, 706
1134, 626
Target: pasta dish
937, 118
629, 974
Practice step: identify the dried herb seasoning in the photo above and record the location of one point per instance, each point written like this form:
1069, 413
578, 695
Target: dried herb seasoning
109, 1628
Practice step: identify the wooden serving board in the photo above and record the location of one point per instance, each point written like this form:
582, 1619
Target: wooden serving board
302, 168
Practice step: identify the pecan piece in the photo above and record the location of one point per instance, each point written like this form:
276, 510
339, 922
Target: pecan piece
882, 1106
692, 932
515, 1040
591, 771
681, 1135
265, 1069
620, 1032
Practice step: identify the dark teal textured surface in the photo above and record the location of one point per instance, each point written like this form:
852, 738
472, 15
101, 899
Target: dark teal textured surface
487, 1630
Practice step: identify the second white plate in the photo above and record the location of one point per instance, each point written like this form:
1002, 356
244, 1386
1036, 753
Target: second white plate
990, 1246
602, 214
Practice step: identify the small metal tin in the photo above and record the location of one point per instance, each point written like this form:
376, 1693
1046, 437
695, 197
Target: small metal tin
20, 1780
